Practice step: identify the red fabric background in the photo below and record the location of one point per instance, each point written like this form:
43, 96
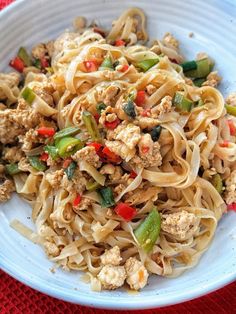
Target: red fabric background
16, 298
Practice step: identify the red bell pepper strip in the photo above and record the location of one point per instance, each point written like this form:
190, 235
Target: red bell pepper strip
98, 147
66, 163
96, 117
77, 200
232, 127
44, 62
112, 125
124, 68
91, 66
17, 64
44, 157
145, 149
125, 211
224, 144
46, 131
110, 156
119, 42
231, 206
140, 98
133, 174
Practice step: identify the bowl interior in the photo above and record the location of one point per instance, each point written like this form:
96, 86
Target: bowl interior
212, 23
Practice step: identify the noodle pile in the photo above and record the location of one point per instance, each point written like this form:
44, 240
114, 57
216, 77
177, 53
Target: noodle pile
173, 173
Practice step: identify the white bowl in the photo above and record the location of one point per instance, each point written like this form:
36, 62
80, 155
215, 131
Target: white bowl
213, 24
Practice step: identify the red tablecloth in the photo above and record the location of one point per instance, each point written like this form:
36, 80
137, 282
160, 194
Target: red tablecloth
17, 298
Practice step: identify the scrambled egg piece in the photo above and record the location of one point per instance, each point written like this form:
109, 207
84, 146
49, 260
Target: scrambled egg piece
129, 134
11, 80
137, 274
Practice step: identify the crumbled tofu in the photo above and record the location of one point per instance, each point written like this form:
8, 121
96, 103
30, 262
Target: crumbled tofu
129, 134
88, 154
51, 249
149, 152
170, 40
119, 188
29, 140
151, 89
111, 257
39, 51
230, 188
137, 274
6, 188
54, 178
121, 149
108, 115
117, 175
9, 79
188, 81
231, 100
180, 224
164, 106
213, 79
77, 184
12, 154
112, 277
146, 122
8, 129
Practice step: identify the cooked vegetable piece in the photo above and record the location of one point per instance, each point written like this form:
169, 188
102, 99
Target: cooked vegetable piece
37, 63
67, 146
140, 98
198, 82
129, 109
46, 131
70, 170
148, 231
92, 171
100, 107
232, 127
12, 169
106, 196
203, 69
97, 146
17, 64
125, 211
109, 156
28, 95
36, 163
182, 103
112, 125
70, 131
189, 65
92, 185
231, 110
52, 151
216, 181
231, 206
44, 156
156, 132
147, 64
77, 200
106, 64
23, 54
119, 42
91, 125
